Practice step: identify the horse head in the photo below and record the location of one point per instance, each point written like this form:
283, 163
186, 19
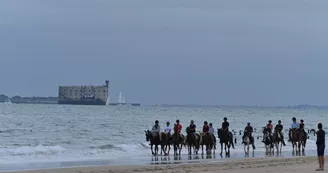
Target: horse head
147, 133
219, 132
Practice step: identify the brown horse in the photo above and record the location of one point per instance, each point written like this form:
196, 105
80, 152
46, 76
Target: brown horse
294, 139
177, 141
301, 141
166, 143
208, 141
154, 140
192, 141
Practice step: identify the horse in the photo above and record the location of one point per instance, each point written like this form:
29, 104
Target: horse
192, 141
177, 141
268, 141
166, 143
278, 139
294, 139
226, 138
301, 141
208, 141
154, 140
247, 142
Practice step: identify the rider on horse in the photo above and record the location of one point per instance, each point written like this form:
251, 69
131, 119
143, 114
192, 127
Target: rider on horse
156, 129
211, 131
268, 128
249, 130
279, 127
192, 128
168, 128
294, 126
178, 128
301, 128
225, 125
206, 128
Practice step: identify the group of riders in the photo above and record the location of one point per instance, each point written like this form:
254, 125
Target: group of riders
208, 129
298, 127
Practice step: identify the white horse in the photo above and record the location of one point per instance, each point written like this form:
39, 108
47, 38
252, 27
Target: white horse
247, 142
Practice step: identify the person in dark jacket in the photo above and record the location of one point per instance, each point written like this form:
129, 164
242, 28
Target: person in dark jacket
279, 127
321, 147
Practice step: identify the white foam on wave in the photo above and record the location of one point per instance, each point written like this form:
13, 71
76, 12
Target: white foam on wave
30, 151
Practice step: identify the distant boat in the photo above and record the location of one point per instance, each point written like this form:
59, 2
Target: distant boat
8, 101
121, 101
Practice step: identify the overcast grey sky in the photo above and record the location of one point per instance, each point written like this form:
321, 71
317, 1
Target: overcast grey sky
232, 52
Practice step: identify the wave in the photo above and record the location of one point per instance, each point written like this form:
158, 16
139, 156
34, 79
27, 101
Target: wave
122, 147
107, 146
32, 150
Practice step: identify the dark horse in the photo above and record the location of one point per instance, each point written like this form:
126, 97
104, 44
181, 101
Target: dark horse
226, 138
177, 141
166, 143
302, 140
154, 140
268, 141
208, 141
193, 141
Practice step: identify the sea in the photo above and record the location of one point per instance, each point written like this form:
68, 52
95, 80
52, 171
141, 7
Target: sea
35, 136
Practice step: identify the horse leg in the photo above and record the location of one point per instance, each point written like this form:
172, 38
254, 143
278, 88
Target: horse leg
151, 149
247, 148
225, 148
180, 148
221, 147
202, 149
162, 149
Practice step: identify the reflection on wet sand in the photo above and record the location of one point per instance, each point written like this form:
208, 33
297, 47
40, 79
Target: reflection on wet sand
192, 158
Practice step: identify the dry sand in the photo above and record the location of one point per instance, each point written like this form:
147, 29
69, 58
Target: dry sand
247, 165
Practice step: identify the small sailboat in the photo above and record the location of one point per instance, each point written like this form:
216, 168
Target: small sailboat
8, 102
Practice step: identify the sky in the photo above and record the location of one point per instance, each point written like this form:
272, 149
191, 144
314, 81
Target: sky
225, 52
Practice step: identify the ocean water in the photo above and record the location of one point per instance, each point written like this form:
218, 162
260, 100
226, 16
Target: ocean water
38, 136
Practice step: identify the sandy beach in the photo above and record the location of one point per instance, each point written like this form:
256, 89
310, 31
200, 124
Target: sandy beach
247, 165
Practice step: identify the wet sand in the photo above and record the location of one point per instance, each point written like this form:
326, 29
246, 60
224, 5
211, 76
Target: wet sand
246, 165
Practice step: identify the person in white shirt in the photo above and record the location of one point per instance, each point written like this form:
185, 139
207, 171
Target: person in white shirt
211, 131
294, 126
156, 129
168, 129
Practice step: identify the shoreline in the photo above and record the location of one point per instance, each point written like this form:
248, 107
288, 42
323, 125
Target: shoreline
148, 160
303, 164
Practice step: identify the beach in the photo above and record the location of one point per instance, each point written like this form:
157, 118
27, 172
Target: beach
246, 165
35, 137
